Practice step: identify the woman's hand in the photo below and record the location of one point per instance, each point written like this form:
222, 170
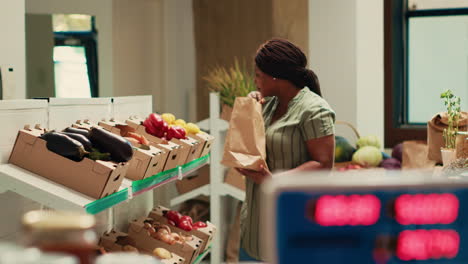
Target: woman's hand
257, 176
257, 96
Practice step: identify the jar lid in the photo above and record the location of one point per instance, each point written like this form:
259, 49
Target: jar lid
57, 220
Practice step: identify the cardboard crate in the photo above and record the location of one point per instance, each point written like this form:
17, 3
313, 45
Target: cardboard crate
114, 241
145, 162
175, 150
96, 179
202, 178
206, 234
193, 182
188, 250
194, 147
205, 139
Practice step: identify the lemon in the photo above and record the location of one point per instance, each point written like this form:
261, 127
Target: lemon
169, 118
191, 128
180, 122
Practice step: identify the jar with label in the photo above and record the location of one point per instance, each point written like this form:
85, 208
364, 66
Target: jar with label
66, 232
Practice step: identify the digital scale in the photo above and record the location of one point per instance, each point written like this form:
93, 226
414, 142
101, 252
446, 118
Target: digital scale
365, 217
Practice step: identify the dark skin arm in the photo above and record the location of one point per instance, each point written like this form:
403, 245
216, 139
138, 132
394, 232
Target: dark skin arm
322, 154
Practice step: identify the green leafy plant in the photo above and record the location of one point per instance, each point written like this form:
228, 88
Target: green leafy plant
230, 82
452, 103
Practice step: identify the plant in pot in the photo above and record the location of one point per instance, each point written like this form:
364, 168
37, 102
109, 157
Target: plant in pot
452, 103
230, 82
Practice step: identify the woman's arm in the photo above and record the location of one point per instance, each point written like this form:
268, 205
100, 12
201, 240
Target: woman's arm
321, 151
322, 154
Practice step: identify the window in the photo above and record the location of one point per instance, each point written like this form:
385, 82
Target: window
75, 56
426, 52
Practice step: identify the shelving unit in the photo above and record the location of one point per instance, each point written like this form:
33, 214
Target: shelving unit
216, 189
58, 113
57, 196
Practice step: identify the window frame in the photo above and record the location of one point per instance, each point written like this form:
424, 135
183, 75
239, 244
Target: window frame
396, 16
86, 39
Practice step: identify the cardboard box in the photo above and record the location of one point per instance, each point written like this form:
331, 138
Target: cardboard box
193, 182
93, 178
145, 162
172, 148
206, 140
114, 241
188, 250
194, 148
206, 234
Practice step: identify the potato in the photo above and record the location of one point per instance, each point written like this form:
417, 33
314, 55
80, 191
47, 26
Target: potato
162, 253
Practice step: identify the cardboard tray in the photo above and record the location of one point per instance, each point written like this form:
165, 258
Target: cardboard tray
207, 141
175, 150
206, 234
96, 179
188, 250
144, 163
194, 146
109, 242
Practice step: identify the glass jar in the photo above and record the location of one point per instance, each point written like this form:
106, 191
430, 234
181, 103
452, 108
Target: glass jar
67, 232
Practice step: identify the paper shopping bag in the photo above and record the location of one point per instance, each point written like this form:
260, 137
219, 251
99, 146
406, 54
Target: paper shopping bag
245, 141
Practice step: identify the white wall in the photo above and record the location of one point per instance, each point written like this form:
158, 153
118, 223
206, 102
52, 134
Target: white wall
12, 46
102, 10
346, 51
180, 66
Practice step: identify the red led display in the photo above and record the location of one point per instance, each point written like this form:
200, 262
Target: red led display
426, 209
352, 210
427, 244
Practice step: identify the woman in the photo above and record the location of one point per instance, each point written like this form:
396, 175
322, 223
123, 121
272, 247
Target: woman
299, 128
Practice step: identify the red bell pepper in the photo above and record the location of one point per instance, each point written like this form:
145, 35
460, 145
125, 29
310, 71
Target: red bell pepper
199, 224
149, 128
156, 120
155, 125
179, 132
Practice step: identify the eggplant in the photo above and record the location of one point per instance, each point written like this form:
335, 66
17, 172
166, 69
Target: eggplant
120, 149
80, 131
82, 139
64, 145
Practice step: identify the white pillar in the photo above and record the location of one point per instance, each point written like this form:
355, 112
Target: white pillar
346, 51
13, 48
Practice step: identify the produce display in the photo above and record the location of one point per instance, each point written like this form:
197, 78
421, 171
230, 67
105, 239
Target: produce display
96, 144
184, 222
115, 241
163, 233
366, 154
166, 126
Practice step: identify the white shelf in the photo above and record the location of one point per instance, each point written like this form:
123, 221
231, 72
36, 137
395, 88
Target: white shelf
41, 190
204, 190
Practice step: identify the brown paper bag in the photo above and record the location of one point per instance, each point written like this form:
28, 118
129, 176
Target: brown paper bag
245, 141
462, 145
435, 128
415, 155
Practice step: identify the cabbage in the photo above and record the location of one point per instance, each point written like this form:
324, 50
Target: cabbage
368, 156
368, 141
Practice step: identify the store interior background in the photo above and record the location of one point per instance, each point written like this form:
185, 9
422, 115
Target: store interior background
164, 47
